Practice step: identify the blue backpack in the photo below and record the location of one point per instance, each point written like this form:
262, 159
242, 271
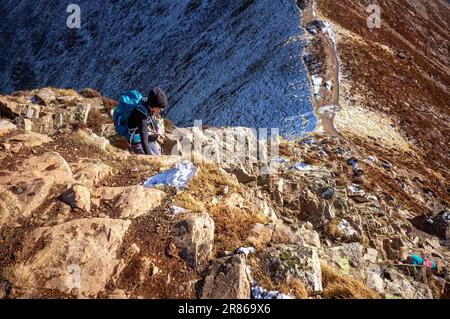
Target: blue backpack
127, 103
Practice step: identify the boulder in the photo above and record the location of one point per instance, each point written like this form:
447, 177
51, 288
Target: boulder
260, 235
193, 236
6, 127
284, 235
345, 256
227, 279
37, 179
77, 257
129, 201
284, 263
90, 173
241, 174
407, 288
92, 139
78, 197
329, 212
310, 237
30, 139
44, 96
371, 255
373, 278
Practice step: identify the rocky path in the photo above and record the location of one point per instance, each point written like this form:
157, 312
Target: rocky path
321, 45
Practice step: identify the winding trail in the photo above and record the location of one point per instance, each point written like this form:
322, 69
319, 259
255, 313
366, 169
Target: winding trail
328, 105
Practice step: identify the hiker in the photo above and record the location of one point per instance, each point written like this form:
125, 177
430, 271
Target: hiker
415, 260
135, 119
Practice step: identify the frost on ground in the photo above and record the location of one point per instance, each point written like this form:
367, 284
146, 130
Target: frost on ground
345, 227
303, 167
260, 293
317, 83
177, 176
245, 250
226, 62
176, 210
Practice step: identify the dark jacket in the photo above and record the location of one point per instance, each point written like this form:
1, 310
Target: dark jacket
146, 126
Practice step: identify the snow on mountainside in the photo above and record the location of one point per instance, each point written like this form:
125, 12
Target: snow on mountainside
224, 62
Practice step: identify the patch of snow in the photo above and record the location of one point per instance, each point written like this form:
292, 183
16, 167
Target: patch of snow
233, 66
345, 227
371, 159
355, 190
245, 250
317, 83
177, 176
328, 30
260, 293
329, 85
176, 210
280, 160
303, 167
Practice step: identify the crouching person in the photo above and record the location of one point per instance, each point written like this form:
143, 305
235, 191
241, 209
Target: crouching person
135, 119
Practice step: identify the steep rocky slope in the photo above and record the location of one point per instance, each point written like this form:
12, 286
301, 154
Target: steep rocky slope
79, 217
395, 84
326, 217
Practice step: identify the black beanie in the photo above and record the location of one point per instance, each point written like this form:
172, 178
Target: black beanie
156, 98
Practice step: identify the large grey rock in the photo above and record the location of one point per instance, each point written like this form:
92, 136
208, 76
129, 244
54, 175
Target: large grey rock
129, 201
6, 127
373, 278
227, 279
37, 179
77, 257
346, 256
78, 197
193, 237
284, 263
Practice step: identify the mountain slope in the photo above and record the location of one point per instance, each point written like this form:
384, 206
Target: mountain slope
225, 63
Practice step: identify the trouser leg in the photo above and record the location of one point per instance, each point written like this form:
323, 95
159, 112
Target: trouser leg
154, 148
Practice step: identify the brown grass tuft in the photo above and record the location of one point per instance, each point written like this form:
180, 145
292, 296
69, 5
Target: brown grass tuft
294, 287
285, 150
339, 286
90, 93
96, 119
233, 224
109, 104
63, 92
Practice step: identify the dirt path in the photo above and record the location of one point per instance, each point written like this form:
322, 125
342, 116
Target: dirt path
322, 46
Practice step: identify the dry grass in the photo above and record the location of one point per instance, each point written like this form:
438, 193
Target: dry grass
109, 104
63, 92
339, 286
233, 224
187, 201
285, 149
96, 119
90, 93
294, 287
